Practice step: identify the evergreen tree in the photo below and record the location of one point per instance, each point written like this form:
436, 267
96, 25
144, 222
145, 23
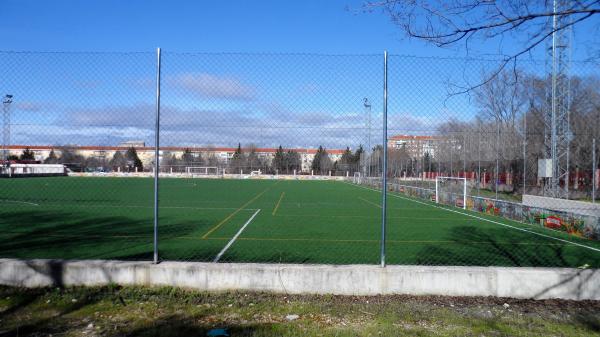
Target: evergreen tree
237, 160
187, 157
118, 160
321, 162
279, 160
131, 155
69, 156
358, 155
346, 162
27, 154
316, 163
52, 158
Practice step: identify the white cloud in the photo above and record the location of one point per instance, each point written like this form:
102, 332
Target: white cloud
212, 86
263, 125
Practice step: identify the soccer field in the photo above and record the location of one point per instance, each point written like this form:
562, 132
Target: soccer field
275, 221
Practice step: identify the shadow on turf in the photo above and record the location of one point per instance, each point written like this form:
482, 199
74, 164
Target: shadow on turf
471, 246
73, 235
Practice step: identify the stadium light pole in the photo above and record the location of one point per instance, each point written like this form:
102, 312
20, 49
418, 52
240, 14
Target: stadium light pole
6, 102
384, 172
156, 155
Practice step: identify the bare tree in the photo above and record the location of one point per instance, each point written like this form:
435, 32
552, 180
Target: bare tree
467, 24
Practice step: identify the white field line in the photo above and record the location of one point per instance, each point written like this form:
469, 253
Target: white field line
19, 202
218, 257
484, 219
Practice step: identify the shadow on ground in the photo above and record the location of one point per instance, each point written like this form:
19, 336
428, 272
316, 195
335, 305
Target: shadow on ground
472, 246
73, 235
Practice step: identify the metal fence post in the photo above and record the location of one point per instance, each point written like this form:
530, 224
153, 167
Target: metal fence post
384, 175
594, 168
156, 155
524, 154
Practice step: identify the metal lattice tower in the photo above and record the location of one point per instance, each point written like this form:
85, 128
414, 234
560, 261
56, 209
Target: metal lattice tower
6, 101
557, 134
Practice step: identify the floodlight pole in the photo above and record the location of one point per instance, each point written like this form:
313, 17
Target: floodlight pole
6, 102
384, 175
156, 155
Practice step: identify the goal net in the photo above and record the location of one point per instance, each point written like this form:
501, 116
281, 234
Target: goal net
202, 170
357, 178
451, 191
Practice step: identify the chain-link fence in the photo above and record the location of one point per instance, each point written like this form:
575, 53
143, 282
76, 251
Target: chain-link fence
279, 158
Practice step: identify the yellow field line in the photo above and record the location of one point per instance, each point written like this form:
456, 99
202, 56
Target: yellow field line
363, 217
234, 213
278, 202
369, 202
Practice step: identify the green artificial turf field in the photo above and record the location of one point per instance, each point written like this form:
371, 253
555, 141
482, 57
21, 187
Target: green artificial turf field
294, 222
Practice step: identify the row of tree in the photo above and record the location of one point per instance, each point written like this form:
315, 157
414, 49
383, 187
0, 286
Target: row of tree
121, 161
245, 159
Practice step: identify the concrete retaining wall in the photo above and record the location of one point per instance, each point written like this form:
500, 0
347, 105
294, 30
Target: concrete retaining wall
537, 283
220, 176
562, 205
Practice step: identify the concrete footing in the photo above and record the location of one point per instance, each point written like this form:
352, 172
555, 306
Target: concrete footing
534, 283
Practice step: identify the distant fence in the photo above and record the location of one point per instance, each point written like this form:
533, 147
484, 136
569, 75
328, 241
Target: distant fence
198, 176
582, 225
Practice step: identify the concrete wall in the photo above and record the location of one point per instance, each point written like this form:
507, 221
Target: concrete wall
537, 283
562, 205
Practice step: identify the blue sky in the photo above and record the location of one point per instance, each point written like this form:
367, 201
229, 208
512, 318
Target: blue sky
210, 26
96, 91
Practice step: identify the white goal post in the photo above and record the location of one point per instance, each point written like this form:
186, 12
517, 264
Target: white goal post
255, 173
455, 185
202, 170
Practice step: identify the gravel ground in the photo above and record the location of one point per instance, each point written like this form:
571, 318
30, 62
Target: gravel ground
139, 311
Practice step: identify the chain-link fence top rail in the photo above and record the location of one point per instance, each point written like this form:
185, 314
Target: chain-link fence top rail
278, 158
